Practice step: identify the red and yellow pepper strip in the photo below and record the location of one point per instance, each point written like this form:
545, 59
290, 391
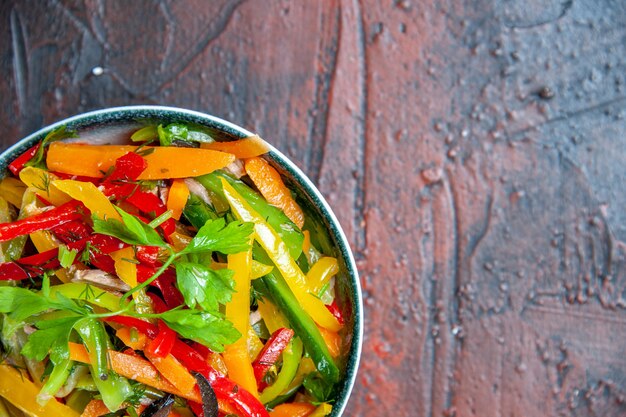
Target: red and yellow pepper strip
293, 410
242, 148
238, 312
73, 210
177, 198
270, 353
95, 161
90, 196
272, 187
279, 254
16, 388
136, 368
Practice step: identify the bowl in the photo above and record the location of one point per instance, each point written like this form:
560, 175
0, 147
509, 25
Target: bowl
116, 124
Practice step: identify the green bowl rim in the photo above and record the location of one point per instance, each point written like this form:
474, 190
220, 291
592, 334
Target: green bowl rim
118, 114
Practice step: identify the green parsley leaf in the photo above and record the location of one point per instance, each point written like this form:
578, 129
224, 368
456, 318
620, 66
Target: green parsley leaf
170, 133
52, 337
204, 286
216, 235
66, 256
38, 160
130, 230
21, 303
203, 327
317, 387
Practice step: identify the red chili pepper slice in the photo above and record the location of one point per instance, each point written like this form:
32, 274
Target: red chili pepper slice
65, 213
270, 353
18, 163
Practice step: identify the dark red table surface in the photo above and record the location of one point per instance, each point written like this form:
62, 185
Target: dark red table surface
474, 152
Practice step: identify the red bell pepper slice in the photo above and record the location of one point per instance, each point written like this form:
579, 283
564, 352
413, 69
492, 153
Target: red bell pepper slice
142, 326
18, 163
65, 213
30, 266
270, 353
128, 167
72, 232
149, 203
162, 344
147, 254
334, 310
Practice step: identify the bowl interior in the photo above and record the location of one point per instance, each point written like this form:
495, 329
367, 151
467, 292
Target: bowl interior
116, 124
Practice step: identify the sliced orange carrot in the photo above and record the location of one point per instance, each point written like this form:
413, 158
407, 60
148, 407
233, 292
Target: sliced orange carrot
333, 341
269, 183
292, 410
177, 198
173, 371
135, 368
95, 408
163, 162
243, 148
137, 342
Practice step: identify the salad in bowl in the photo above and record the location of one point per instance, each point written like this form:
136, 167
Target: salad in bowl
154, 263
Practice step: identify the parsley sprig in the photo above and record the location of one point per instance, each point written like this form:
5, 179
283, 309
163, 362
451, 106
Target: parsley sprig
200, 285
56, 316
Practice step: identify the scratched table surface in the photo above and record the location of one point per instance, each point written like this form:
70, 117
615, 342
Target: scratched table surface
474, 152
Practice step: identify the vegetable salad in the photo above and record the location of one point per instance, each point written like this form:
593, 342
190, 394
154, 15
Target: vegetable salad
173, 276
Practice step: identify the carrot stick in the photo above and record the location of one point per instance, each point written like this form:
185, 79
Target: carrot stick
173, 371
95, 408
292, 410
243, 148
177, 198
163, 162
272, 187
136, 368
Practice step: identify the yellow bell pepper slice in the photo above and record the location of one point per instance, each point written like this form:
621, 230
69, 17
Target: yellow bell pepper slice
163, 162
41, 181
13, 190
279, 254
321, 272
18, 390
322, 410
177, 198
124, 267
272, 316
90, 196
236, 355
